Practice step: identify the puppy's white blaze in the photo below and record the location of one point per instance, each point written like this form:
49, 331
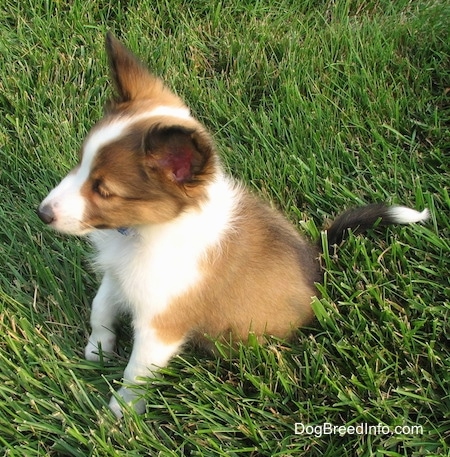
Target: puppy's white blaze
405, 215
94, 142
182, 113
65, 199
113, 130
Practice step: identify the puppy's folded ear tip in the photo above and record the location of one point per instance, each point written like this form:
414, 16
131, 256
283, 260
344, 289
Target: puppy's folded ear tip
110, 37
110, 40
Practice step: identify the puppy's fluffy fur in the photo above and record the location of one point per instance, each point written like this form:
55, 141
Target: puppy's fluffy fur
182, 247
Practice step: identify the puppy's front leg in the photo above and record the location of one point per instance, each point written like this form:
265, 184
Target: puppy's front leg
149, 353
103, 315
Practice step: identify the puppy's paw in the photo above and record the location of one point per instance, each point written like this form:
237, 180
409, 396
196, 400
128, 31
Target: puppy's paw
99, 350
129, 396
92, 352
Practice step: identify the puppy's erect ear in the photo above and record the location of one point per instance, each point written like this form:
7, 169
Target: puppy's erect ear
184, 155
131, 79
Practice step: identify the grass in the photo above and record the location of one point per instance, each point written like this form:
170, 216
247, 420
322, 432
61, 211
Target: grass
316, 105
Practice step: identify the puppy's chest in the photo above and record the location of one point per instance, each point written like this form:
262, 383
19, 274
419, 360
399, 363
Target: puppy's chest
151, 272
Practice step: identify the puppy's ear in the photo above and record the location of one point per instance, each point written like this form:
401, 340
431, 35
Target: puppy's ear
131, 79
184, 155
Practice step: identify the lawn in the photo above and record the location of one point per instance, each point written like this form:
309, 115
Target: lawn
317, 106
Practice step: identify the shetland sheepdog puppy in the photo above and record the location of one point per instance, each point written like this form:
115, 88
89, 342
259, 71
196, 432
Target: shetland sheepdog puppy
182, 247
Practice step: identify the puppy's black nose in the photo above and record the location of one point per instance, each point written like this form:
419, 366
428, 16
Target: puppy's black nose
46, 214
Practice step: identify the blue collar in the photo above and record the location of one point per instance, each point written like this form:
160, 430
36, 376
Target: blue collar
126, 231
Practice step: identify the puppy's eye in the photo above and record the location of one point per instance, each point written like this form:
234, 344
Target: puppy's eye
99, 188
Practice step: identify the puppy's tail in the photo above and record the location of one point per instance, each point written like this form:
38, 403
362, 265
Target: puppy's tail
366, 217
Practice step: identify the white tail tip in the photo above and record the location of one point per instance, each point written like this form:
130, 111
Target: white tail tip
405, 215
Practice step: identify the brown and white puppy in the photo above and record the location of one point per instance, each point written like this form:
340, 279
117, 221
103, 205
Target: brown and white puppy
182, 247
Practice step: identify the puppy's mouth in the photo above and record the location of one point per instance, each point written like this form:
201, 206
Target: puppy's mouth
69, 226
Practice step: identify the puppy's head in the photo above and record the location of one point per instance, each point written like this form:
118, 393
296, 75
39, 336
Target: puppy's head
145, 162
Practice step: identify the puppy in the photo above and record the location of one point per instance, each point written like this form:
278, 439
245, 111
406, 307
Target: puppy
183, 248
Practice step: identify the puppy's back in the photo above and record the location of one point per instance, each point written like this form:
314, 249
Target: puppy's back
259, 278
